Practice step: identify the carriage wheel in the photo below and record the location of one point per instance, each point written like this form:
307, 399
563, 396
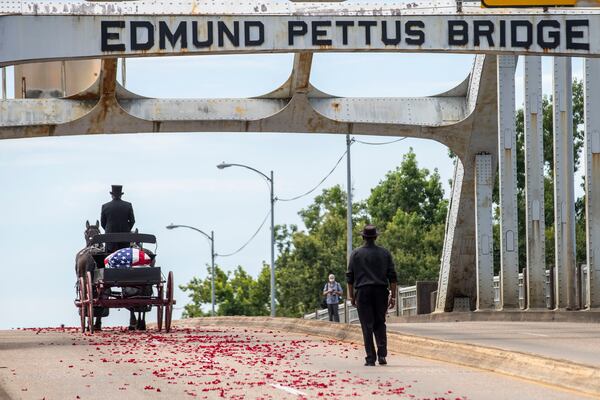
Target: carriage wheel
169, 306
82, 311
90, 302
159, 308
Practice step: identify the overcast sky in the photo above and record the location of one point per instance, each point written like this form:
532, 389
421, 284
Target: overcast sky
51, 186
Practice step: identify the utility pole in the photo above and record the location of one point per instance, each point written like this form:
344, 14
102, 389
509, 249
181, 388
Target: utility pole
348, 218
212, 271
272, 247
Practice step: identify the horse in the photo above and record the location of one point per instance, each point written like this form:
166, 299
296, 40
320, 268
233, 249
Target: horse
84, 262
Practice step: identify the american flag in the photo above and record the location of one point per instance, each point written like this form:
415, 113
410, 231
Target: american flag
127, 258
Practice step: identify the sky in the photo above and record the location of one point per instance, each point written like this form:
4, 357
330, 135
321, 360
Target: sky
51, 186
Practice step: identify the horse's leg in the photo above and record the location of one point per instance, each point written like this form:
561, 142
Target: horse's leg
98, 324
132, 320
143, 321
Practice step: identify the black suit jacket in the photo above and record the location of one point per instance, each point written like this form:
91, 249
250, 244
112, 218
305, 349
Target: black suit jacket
117, 216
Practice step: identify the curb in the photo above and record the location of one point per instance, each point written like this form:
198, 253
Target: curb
558, 373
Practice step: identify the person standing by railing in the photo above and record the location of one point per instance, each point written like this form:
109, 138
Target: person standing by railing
370, 270
333, 291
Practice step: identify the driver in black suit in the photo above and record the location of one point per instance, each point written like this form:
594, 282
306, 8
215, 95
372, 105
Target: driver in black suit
117, 217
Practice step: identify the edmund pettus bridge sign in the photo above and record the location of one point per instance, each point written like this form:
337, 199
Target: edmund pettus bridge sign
34, 30
459, 35
475, 119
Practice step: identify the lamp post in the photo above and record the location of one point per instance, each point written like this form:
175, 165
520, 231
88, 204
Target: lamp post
210, 237
269, 179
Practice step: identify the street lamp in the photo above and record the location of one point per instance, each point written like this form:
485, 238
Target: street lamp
210, 237
269, 179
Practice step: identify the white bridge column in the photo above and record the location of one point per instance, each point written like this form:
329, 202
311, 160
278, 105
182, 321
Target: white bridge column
507, 157
592, 179
484, 185
564, 197
534, 183
443, 302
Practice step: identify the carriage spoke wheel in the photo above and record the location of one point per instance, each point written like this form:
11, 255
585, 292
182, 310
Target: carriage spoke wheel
82, 309
90, 302
169, 301
159, 308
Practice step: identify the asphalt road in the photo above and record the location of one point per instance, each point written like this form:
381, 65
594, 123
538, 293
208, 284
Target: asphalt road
577, 342
232, 363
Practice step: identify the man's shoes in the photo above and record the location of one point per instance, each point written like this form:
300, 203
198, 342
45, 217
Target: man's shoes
382, 361
369, 363
98, 326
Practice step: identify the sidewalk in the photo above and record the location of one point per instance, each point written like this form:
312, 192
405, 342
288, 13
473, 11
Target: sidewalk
568, 341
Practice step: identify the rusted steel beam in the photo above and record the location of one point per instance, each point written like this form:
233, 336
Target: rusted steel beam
484, 185
301, 72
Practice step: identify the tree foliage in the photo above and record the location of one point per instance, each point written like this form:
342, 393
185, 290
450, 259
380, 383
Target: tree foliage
409, 210
235, 294
307, 257
411, 189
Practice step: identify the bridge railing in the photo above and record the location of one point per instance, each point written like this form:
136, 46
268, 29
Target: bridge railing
406, 305
407, 301
407, 298
323, 314
581, 288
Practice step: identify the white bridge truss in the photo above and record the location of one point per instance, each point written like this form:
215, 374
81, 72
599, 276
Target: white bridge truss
475, 119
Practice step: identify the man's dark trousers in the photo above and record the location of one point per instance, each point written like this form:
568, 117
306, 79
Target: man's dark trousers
334, 313
372, 303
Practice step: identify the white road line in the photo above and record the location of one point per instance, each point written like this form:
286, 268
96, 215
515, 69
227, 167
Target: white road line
534, 334
288, 389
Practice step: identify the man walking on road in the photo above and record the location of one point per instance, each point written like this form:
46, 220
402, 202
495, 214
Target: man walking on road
370, 270
333, 291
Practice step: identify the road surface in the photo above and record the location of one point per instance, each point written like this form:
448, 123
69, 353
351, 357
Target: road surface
576, 342
232, 363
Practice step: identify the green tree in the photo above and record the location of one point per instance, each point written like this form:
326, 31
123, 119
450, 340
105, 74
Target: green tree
409, 210
307, 257
411, 189
416, 247
235, 294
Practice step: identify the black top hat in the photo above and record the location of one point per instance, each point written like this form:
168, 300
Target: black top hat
370, 231
116, 190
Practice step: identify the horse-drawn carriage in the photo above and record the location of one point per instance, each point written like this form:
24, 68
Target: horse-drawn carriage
136, 289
